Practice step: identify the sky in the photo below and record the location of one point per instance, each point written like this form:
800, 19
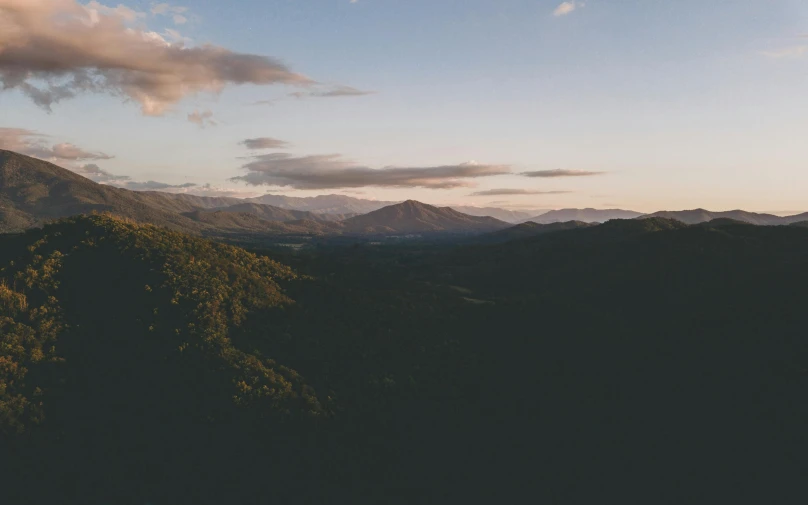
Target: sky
636, 104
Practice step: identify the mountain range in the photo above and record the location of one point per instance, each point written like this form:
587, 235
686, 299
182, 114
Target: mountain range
170, 369
584, 215
34, 191
698, 216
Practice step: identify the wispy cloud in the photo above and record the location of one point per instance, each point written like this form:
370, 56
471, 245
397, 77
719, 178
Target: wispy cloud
98, 174
35, 144
210, 190
336, 91
264, 143
561, 173
786, 52
121, 11
154, 186
202, 118
566, 8
514, 192
334, 172
177, 14
100, 51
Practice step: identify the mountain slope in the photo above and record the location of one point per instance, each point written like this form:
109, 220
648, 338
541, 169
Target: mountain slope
531, 229
585, 215
697, 216
121, 339
33, 191
416, 217
509, 216
244, 222
272, 213
322, 204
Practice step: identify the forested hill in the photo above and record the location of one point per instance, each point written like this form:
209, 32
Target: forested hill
140, 365
118, 339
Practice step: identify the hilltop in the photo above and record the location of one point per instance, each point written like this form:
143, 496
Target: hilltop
416, 217
531, 229
698, 216
585, 215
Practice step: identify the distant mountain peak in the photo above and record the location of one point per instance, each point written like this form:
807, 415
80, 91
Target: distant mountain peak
413, 216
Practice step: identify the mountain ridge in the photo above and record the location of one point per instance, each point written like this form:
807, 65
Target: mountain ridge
415, 217
587, 215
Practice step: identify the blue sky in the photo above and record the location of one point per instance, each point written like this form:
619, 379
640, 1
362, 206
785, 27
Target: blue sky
672, 104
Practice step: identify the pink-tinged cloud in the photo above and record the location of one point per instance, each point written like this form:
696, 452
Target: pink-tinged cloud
52, 50
516, 192
264, 143
334, 172
37, 145
561, 173
202, 118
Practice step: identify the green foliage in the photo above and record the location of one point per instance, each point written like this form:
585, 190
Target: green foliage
208, 290
145, 366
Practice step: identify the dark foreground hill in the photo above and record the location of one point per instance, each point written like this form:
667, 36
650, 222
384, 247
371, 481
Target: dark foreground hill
139, 365
119, 339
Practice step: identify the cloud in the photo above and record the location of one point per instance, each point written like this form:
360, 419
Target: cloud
785, 52
264, 143
153, 186
561, 173
502, 192
176, 13
208, 190
333, 172
54, 50
202, 118
264, 102
335, 91
565, 8
176, 37
31, 143
121, 11
98, 174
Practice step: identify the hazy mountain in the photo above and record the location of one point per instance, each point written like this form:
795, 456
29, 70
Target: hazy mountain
417, 217
33, 191
185, 203
245, 222
272, 213
697, 216
724, 221
323, 204
797, 218
585, 215
510, 216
